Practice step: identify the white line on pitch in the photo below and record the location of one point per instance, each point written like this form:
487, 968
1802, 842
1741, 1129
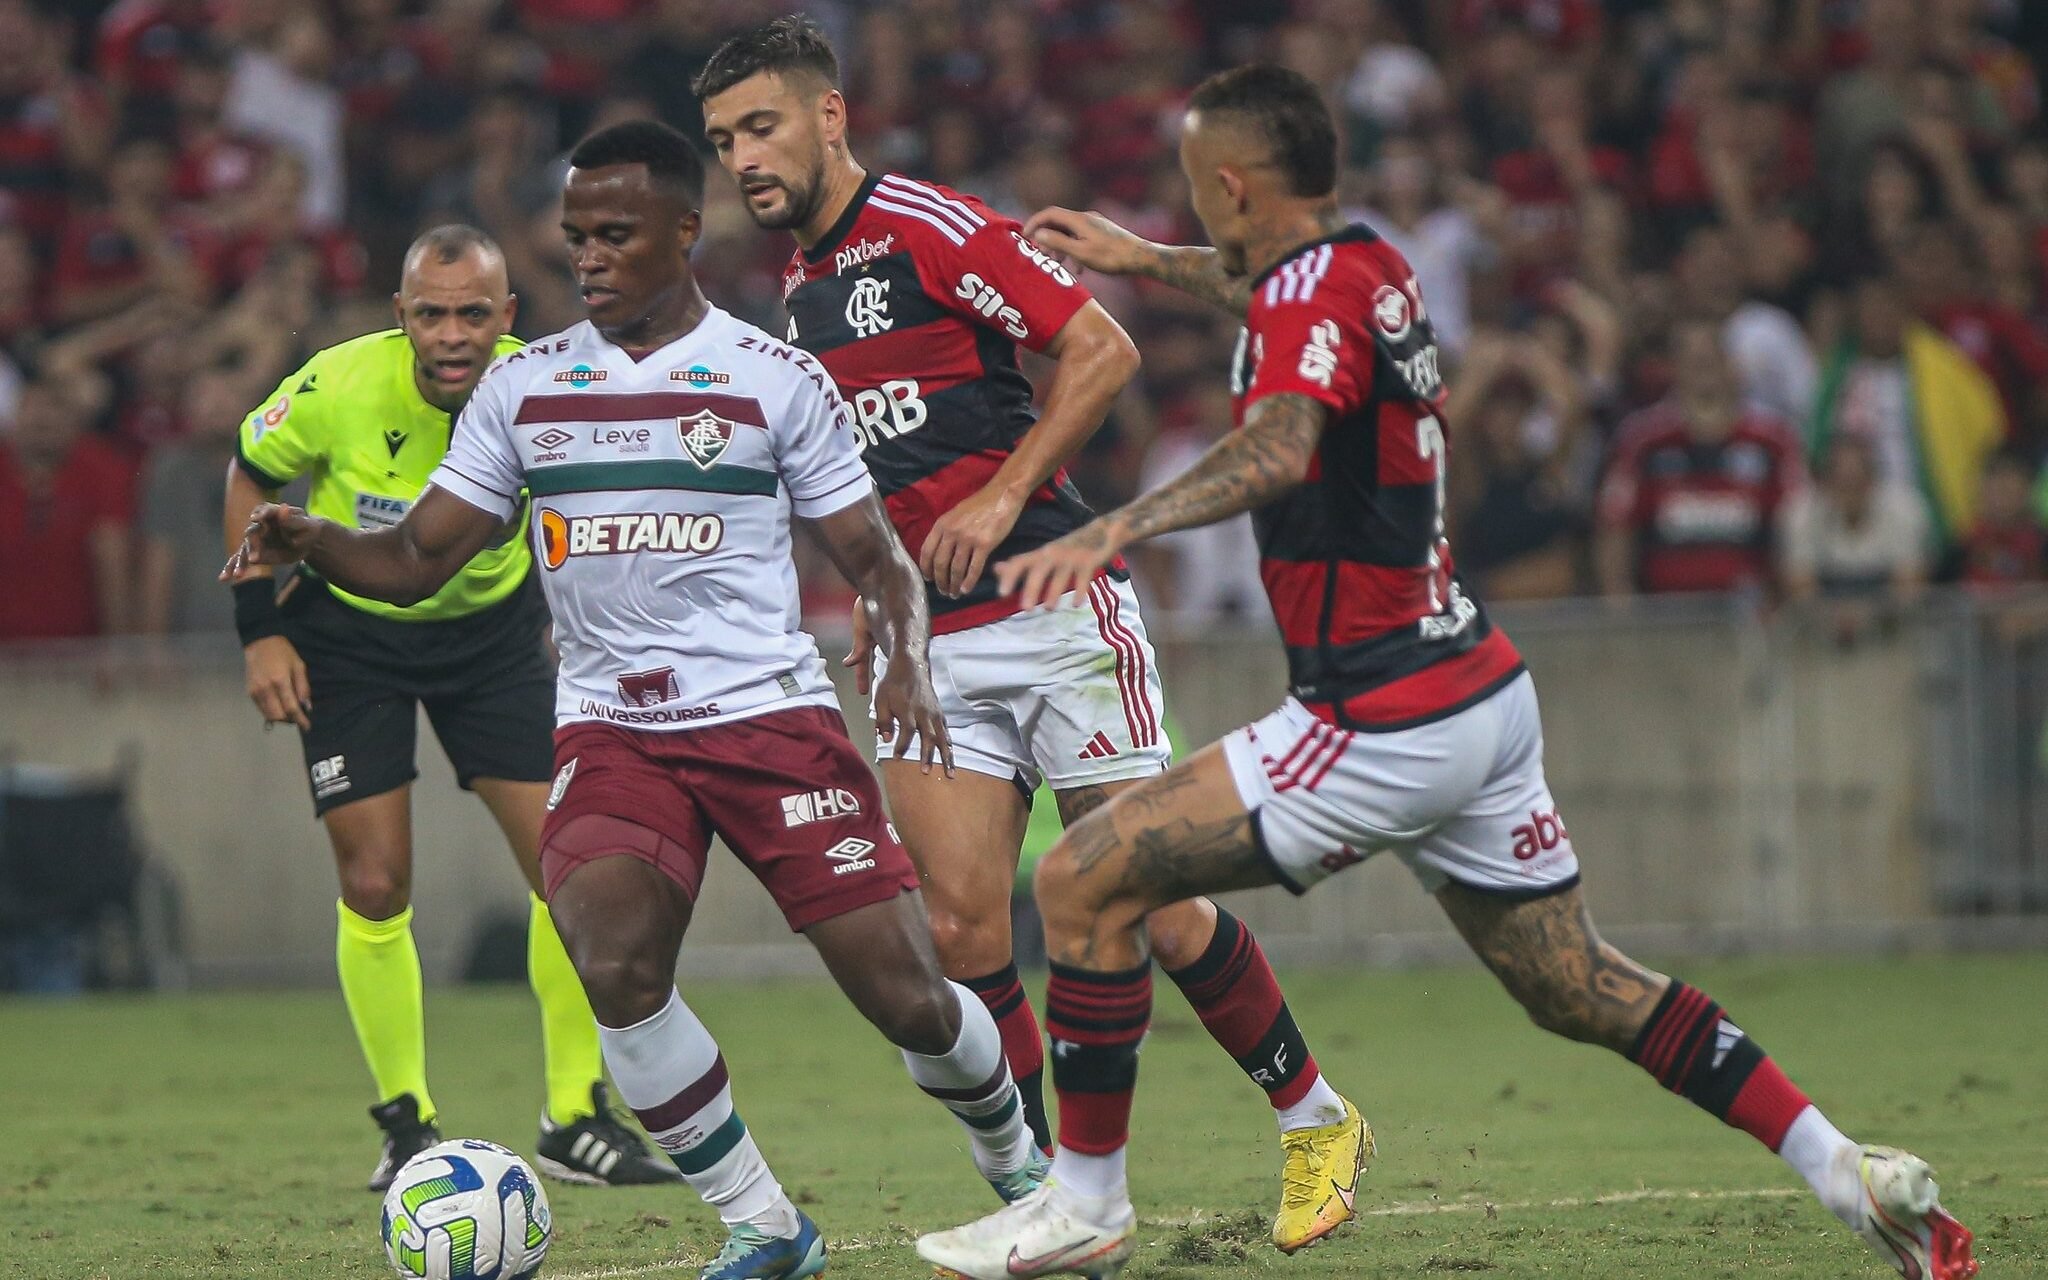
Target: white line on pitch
1413, 1208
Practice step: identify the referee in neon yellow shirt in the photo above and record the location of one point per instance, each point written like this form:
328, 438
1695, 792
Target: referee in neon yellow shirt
368, 420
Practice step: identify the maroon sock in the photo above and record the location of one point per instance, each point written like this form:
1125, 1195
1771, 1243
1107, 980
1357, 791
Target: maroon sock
1238, 999
1097, 1021
1003, 993
1692, 1049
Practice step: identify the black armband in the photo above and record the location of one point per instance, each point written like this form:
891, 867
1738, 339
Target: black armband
256, 611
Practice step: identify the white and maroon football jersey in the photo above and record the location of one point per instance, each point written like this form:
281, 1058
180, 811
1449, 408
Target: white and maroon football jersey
662, 492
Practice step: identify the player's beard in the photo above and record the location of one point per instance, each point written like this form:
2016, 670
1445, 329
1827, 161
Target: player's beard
799, 201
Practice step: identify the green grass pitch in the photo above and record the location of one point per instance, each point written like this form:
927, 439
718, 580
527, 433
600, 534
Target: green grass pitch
225, 1136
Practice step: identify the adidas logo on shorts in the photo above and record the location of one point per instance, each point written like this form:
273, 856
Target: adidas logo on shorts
1099, 747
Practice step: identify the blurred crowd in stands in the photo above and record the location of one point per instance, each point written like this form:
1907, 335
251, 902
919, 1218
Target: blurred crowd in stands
1734, 295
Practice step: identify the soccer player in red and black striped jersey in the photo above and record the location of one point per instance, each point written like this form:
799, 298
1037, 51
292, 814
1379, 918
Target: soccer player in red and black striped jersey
1410, 724
916, 299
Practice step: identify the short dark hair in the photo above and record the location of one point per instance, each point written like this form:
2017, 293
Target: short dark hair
1285, 109
781, 45
449, 241
670, 159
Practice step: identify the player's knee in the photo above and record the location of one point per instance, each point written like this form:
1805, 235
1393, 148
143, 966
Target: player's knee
624, 987
923, 1017
970, 943
375, 889
1072, 901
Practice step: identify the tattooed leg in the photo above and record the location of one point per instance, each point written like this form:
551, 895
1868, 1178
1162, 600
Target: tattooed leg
1551, 961
1156, 842
1549, 958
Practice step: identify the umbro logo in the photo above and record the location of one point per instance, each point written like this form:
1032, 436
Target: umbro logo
851, 854
553, 438
1099, 747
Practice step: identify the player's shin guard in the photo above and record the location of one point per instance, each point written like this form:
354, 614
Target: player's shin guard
1097, 1021
973, 1080
1238, 999
1024, 1049
568, 1030
380, 982
669, 1071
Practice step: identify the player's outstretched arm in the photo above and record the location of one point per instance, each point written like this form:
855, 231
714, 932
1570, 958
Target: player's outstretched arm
401, 565
1101, 245
864, 546
1245, 469
1095, 360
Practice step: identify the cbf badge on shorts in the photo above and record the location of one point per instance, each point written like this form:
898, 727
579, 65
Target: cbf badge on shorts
561, 786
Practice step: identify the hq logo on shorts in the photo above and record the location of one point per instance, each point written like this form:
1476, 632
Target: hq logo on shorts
822, 805
624, 534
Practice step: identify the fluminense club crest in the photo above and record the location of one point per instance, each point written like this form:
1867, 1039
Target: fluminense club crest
705, 437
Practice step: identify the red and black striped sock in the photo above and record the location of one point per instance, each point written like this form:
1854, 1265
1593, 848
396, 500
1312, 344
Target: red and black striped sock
1097, 1021
1238, 999
1692, 1049
1003, 993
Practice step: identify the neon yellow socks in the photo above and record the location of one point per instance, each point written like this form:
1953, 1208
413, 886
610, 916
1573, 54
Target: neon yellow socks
380, 982
568, 1030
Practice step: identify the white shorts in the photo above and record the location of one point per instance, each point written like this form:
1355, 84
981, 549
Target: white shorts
1460, 800
1067, 695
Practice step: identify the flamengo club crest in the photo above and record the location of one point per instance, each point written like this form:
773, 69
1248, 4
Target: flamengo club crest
705, 437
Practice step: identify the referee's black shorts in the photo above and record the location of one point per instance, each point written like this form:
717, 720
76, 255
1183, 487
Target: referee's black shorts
486, 681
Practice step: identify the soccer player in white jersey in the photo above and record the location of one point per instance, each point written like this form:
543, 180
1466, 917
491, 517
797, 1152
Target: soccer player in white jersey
666, 446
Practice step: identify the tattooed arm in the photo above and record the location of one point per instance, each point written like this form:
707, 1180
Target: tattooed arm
1101, 245
1246, 469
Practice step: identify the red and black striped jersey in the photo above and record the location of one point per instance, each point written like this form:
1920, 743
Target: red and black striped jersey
1379, 632
916, 302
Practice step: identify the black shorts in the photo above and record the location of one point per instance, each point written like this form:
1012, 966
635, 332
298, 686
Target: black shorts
486, 680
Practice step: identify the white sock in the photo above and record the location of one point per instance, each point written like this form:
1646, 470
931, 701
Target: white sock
973, 1080
1318, 1107
1814, 1147
669, 1071
1095, 1178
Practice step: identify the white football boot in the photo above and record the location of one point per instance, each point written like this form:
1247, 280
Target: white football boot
1047, 1233
1899, 1215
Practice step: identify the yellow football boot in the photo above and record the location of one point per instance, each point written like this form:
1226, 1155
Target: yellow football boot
1319, 1184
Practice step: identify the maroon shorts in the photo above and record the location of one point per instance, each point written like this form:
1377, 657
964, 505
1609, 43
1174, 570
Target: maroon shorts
787, 791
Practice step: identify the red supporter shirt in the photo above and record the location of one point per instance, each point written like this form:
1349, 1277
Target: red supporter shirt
219, 166
1379, 632
2004, 556
46, 578
916, 302
32, 173
1704, 514
141, 44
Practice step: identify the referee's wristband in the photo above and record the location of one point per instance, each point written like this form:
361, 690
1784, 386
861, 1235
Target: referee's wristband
256, 612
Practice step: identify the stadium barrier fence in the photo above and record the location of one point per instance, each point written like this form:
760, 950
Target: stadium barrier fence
1733, 781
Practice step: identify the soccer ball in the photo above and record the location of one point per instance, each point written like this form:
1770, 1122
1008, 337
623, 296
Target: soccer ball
466, 1210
